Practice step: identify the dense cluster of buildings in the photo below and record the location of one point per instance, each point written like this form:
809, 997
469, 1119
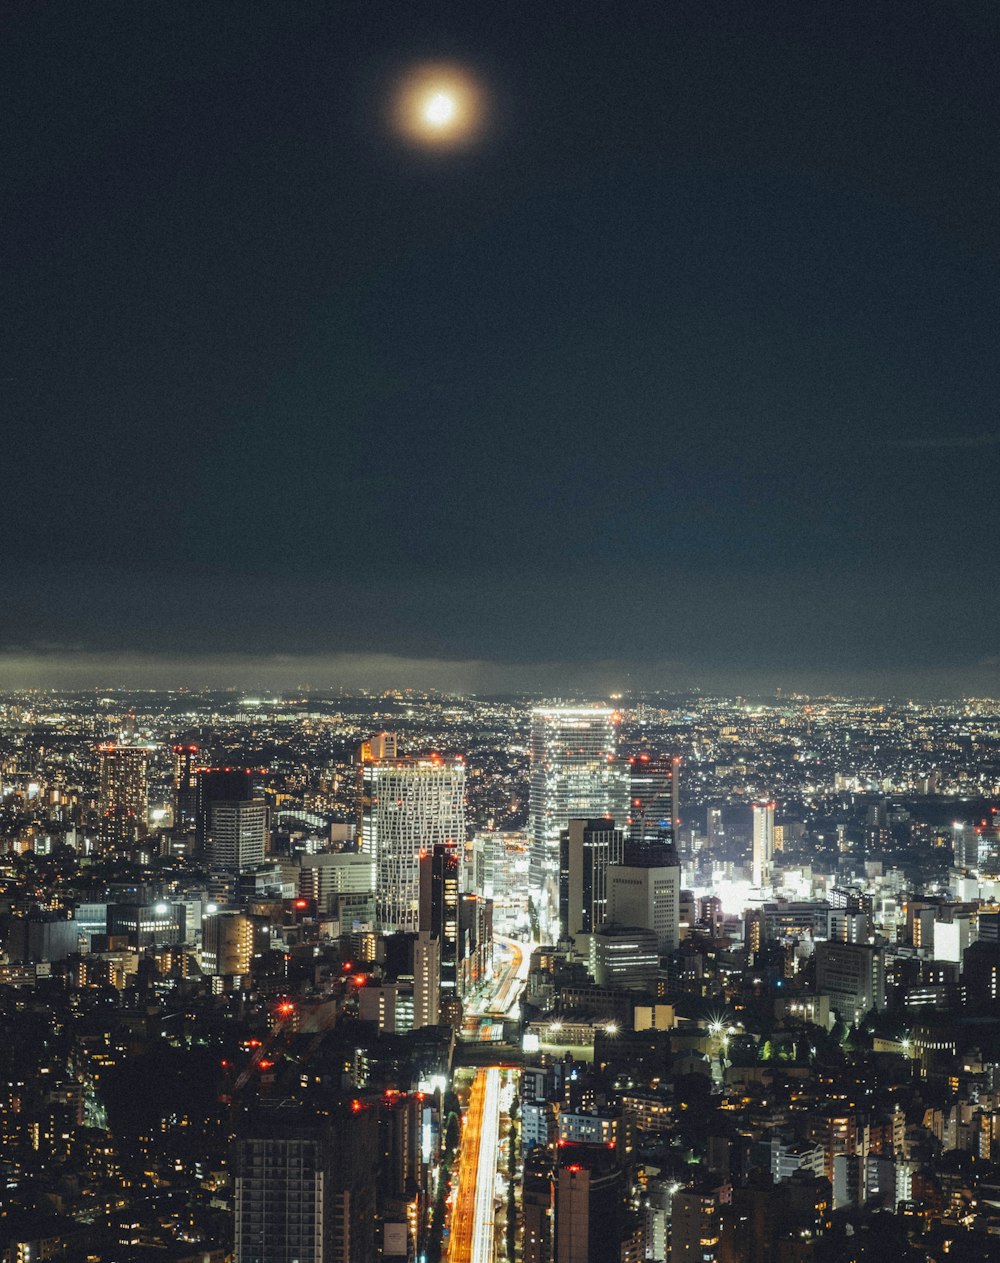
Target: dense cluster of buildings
741, 964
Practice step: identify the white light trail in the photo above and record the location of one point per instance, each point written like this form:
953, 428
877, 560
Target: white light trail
486, 1172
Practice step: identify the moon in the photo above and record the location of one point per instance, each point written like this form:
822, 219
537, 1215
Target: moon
439, 106
439, 109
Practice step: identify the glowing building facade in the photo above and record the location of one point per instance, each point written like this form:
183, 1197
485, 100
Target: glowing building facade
574, 775
654, 799
185, 785
588, 849
408, 806
124, 800
763, 843
237, 834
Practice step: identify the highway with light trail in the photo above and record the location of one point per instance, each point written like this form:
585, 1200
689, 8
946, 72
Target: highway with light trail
473, 1210
472, 1215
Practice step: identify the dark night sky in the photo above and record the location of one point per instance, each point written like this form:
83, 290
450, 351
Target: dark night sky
692, 361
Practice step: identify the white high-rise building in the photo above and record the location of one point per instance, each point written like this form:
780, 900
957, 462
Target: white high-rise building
408, 805
763, 843
645, 891
574, 775
324, 876
237, 834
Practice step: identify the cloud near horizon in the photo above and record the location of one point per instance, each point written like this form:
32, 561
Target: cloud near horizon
34, 669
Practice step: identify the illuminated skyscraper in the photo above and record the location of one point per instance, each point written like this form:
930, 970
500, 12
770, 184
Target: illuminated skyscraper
987, 848
237, 834
221, 784
304, 1190
124, 798
538, 1200
654, 799
378, 749
426, 980
574, 775
226, 943
763, 843
697, 1221
185, 785
408, 806
644, 891
853, 975
965, 843
586, 850
439, 909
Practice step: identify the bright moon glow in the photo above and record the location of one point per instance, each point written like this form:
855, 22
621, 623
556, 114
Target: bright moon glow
439, 110
439, 105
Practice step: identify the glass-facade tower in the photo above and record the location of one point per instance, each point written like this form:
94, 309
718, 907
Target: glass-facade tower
574, 775
653, 799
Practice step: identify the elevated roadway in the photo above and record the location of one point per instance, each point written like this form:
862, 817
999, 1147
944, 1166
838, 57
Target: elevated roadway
471, 1239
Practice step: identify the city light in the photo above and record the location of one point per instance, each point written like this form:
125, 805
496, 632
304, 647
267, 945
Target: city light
750, 947
499, 622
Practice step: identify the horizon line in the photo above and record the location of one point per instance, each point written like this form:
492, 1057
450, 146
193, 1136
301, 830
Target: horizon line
70, 668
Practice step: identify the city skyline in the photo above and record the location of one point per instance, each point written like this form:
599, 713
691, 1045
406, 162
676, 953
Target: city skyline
499, 668
499, 657
279, 978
